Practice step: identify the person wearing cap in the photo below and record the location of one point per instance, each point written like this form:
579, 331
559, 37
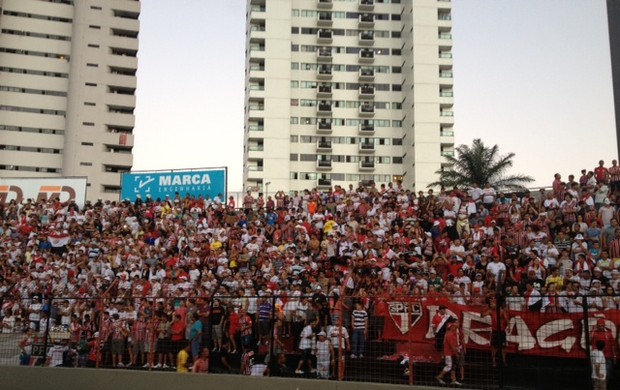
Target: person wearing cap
602, 333
325, 356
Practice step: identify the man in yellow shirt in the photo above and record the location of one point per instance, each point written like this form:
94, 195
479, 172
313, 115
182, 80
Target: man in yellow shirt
182, 359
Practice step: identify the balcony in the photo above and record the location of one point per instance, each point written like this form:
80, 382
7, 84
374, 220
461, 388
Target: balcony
324, 54
447, 153
324, 36
367, 92
366, 38
445, 36
324, 90
324, 73
324, 127
324, 146
324, 19
367, 147
447, 113
367, 165
366, 128
366, 5
324, 165
324, 4
323, 183
366, 56
256, 148
324, 109
367, 109
367, 74
446, 133
366, 21
256, 127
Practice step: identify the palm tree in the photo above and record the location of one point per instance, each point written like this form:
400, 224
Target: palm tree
479, 164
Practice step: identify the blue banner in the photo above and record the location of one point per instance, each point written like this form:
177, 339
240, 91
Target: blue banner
158, 185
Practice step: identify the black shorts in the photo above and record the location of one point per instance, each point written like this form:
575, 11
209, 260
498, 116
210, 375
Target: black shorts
498, 339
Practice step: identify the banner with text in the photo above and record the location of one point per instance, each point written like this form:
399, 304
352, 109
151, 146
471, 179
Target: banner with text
158, 185
530, 333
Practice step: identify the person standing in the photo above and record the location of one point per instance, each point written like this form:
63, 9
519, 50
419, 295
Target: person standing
610, 352
306, 340
195, 336
440, 325
324, 355
360, 331
341, 344
452, 351
599, 369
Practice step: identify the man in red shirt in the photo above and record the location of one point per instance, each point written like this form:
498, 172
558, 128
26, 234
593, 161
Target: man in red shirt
601, 174
602, 333
452, 347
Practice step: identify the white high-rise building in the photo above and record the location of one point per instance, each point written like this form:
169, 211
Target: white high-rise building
67, 90
347, 91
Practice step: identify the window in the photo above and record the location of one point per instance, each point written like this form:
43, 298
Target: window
294, 120
90, 104
294, 157
396, 69
395, 34
93, 45
395, 16
96, 8
92, 65
88, 123
86, 164
294, 47
397, 141
307, 157
87, 144
294, 139
90, 84
95, 27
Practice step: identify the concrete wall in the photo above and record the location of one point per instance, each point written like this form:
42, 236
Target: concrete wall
17, 378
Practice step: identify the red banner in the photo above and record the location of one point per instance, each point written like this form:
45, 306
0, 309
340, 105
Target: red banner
529, 333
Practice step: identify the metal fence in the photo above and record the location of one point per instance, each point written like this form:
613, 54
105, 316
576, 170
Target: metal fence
512, 341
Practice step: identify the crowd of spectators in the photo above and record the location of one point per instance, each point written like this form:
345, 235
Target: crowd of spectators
168, 273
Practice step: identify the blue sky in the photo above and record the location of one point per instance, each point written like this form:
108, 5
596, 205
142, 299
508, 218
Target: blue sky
532, 76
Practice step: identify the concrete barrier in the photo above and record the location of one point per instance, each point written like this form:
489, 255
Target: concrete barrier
43, 378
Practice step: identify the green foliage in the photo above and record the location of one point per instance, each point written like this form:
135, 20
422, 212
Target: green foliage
479, 164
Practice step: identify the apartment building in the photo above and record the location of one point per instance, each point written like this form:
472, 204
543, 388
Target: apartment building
67, 90
340, 92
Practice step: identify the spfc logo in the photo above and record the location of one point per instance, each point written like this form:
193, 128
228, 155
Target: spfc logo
404, 314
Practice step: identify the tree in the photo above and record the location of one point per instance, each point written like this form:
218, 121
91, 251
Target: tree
479, 164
